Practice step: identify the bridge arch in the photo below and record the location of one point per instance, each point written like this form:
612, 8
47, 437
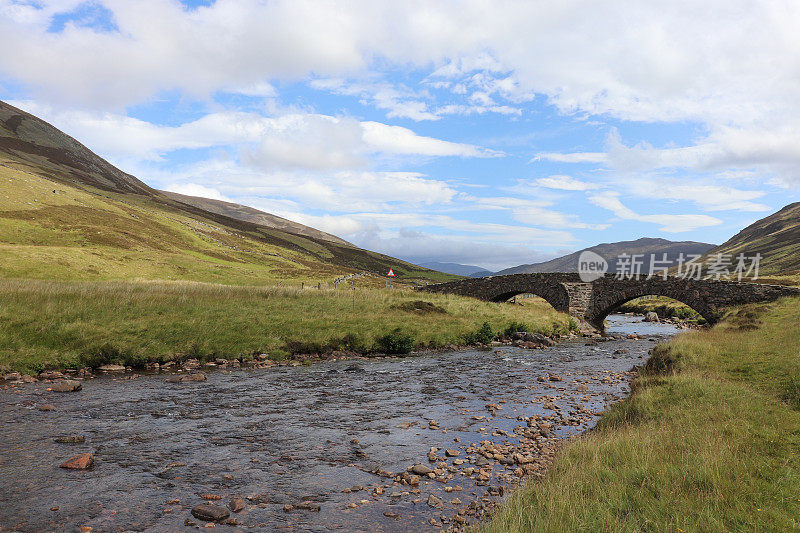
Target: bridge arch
555, 294
614, 294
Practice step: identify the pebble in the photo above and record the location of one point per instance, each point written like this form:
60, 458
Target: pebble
84, 461
433, 501
236, 504
210, 513
420, 470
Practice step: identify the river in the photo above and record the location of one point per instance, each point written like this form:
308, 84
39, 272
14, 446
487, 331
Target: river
327, 434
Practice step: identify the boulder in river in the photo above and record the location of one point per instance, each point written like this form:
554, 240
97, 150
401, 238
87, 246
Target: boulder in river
111, 368
210, 512
50, 374
177, 378
433, 501
651, 316
420, 470
47, 407
84, 461
236, 504
66, 385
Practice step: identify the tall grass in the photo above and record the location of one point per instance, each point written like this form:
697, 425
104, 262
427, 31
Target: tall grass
708, 441
76, 323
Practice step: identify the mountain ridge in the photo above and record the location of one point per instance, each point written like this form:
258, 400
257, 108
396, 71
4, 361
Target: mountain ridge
251, 214
776, 237
610, 251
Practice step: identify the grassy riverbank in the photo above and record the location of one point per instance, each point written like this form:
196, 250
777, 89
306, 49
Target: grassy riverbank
708, 441
74, 324
663, 307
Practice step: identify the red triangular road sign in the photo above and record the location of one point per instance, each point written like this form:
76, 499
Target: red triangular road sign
391, 273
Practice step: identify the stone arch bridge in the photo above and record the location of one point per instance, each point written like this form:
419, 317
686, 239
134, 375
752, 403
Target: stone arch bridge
591, 302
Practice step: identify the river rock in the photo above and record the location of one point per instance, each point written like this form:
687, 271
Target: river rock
308, 506
420, 470
84, 461
12, 376
177, 378
236, 504
651, 316
538, 338
111, 368
46, 407
191, 364
70, 439
433, 501
210, 512
28, 379
49, 374
66, 385
451, 453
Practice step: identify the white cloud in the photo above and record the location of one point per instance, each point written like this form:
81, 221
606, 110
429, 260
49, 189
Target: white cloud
577, 157
193, 189
565, 183
668, 222
709, 197
308, 140
535, 213
646, 62
399, 140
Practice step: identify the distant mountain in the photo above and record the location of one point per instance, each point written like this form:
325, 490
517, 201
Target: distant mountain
610, 252
776, 238
471, 271
249, 214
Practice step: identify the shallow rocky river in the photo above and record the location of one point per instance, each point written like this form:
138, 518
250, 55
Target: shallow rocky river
316, 448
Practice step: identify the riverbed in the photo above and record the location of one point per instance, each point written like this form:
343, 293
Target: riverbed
313, 448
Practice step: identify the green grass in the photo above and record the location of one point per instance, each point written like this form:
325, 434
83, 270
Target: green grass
664, 307
710, 445
71, 324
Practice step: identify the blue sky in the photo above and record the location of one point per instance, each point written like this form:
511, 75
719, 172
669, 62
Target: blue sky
491, 134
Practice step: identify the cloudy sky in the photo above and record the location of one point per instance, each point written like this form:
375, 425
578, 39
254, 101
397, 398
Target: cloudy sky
491, 133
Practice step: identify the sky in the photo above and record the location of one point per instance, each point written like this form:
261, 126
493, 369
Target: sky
490, 133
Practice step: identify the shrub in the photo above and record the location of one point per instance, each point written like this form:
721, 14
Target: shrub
105, 354
484, 335
662, 361
514, 327
395, 342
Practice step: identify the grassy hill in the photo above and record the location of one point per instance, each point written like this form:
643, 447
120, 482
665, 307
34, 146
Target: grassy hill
65, 213
776, 238
249, 214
